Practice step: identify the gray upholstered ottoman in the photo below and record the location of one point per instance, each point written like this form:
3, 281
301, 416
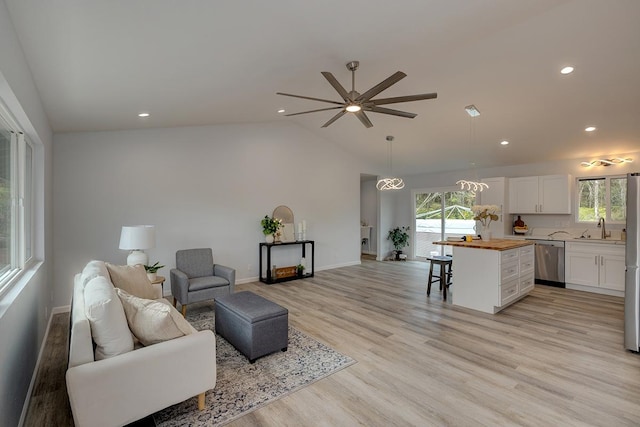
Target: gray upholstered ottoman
252, 324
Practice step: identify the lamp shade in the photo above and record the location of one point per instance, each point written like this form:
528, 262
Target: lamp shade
138, 237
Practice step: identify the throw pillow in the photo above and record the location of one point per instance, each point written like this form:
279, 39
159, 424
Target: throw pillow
131, 278
109, 328
153, 321
92, 270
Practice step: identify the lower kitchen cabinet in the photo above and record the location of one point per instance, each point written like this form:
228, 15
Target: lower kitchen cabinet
489, 280
599, 265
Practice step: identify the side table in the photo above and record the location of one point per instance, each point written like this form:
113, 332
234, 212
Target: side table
159, 279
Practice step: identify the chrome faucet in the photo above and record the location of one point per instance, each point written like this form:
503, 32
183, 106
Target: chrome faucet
603, 235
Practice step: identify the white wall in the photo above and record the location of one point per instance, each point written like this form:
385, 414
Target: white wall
404, 204
369, 212
201, 187
24, 310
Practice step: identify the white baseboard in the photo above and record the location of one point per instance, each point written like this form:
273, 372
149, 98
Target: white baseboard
25, 407
247, 280
61, 309
595, 290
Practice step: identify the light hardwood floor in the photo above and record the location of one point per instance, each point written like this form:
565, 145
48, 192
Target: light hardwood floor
555, 358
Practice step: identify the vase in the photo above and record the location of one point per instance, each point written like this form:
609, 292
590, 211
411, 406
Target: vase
486, 233
152, 276
268, 238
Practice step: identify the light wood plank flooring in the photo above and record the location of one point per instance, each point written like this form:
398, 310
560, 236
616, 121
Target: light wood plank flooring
555, 358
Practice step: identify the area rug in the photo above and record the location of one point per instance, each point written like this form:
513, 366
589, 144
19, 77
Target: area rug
242, 387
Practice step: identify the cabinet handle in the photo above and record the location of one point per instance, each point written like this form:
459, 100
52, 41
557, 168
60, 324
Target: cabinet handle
601, 260
540, 208
596, 259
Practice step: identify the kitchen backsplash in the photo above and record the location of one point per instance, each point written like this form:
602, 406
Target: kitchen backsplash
545, 224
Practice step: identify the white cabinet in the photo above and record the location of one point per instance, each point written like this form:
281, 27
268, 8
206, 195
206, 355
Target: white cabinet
598, 265
489, 280
496, 194
549, 194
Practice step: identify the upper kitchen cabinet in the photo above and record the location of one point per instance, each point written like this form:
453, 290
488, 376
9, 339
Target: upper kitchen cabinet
496, 194
549, 194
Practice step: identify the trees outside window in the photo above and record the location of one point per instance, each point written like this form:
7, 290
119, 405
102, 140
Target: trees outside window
602, 197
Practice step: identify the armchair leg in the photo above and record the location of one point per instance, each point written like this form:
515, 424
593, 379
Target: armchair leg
184, 310
201, 401
175, 302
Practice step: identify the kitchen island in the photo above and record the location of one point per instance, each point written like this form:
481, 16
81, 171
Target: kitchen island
490, 275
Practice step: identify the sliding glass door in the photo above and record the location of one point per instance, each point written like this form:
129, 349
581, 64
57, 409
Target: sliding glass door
441, 214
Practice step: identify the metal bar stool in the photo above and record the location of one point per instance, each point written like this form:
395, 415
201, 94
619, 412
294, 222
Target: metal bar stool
444, 273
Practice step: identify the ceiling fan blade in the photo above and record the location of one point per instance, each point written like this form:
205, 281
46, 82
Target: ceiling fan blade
308, 97
334, 118
383, 110
364, 119
313, 111
395, 78
336, 85
408, 98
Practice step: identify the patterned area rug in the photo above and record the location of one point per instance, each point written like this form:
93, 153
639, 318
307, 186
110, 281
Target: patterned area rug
242, 387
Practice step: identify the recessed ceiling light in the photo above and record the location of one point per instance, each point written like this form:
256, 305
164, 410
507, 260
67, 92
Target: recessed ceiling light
590, 128
281, 110
143, 114
567, 70
504, 143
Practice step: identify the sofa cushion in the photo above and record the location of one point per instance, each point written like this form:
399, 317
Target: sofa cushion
153, 321
106, 316
133, 279
92, 270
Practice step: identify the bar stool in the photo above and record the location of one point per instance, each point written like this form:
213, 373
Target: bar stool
444, 273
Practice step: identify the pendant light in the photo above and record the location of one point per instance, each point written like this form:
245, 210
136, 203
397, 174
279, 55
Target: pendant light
390, 183
476, 185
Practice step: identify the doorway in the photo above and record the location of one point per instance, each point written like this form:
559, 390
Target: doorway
439, 215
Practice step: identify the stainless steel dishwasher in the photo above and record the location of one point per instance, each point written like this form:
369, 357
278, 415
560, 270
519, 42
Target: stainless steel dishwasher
550, 262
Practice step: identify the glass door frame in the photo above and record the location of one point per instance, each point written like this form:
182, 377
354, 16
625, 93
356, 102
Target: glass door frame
448, 189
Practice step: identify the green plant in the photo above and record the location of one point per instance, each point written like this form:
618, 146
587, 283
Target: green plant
399, 237
153, 268
270, 225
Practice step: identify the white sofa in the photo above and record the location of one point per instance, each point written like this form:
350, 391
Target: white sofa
124, 388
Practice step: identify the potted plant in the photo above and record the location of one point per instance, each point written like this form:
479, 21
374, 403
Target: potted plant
485, 214
400, 239
152, 270
300, 268
270, 226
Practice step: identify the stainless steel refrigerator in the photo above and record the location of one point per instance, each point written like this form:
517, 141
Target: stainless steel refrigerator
632, 260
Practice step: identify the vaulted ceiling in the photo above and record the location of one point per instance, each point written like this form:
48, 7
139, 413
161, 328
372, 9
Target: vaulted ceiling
97, 64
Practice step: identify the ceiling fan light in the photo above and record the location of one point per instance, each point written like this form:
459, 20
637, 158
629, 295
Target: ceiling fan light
353, 108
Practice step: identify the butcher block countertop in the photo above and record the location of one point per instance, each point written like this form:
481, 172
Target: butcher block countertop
493, 244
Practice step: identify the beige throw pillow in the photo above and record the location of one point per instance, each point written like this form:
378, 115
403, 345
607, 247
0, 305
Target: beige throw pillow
153, 321
131, 278
109, 328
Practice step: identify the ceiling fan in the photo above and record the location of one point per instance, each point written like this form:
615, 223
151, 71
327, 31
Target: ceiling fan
356, 103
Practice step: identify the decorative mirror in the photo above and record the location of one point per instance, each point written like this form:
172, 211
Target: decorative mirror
285, 214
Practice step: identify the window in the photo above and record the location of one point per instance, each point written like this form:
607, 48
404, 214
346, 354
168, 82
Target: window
441, 214
16, 204
604, 197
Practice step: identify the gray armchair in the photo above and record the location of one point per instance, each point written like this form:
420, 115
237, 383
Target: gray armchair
196, 278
